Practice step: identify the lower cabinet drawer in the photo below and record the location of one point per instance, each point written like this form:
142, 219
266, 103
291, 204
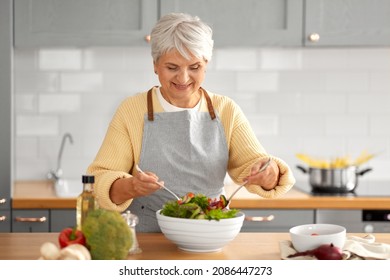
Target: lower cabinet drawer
275, 220
5, 221
30, 220
60, 219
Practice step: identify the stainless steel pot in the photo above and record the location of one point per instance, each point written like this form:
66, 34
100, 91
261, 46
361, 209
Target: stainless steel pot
336, 180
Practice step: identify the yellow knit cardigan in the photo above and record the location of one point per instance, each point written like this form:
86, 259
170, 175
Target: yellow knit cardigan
121, 147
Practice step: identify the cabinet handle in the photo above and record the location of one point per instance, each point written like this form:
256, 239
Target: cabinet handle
314, 37
31, 220
3, 218
147, 38
3, 201
260, 218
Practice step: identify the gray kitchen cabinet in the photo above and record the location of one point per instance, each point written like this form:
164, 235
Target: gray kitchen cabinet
62, 218
27, 220
43, 220
6, 53
275, 220
347, 23
57, 23
247, 22
5, 220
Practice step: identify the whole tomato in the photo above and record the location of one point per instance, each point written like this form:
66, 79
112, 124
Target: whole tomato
70, 236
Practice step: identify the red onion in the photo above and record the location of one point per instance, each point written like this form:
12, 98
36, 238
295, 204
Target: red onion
323, 252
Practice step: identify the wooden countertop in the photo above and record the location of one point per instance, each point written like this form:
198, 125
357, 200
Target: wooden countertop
38, 195
41, 195
246, 246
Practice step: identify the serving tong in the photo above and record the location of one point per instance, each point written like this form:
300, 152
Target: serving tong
161, 185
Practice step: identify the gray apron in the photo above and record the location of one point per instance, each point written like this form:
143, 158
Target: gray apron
188, 151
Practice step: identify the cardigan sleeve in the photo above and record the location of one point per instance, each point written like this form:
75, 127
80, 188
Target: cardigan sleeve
120, 149
245, 150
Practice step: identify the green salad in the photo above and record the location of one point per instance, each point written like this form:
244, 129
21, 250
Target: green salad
199, 206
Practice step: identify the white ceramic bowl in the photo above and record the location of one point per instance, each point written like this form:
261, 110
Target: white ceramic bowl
200, 235
311, 236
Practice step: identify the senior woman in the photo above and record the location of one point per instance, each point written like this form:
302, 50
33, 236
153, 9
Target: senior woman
180, 134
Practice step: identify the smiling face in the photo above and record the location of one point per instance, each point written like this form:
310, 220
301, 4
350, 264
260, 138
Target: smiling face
180, 78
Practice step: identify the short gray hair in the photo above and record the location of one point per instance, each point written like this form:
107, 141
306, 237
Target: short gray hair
185, 33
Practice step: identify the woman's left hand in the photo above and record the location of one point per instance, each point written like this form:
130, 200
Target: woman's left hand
267, 179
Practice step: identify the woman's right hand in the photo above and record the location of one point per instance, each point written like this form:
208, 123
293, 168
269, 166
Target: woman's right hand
141, 184
145, 183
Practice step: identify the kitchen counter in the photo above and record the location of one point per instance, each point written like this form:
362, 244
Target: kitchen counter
246, 246
41, 195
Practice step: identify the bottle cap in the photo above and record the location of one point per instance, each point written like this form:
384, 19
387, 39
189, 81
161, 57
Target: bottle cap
88, 179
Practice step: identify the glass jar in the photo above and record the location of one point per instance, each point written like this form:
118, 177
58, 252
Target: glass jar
132, 221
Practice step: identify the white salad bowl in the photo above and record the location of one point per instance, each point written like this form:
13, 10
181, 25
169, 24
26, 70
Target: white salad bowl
197, 235
311, 236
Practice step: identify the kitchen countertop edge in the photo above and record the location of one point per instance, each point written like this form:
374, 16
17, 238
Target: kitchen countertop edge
43, 197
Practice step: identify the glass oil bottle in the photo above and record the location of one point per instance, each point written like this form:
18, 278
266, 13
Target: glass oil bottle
86, 201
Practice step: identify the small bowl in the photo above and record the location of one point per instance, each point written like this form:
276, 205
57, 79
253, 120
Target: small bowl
311, 236
200, 235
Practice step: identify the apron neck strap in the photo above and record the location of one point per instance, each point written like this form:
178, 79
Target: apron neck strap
209, 104
150, 104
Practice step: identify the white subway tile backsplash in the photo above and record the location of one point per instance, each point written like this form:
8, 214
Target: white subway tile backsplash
351, 125
367, 59
104, 59
379, 145
324, 147
59, 103
235, 59
59, 59
324, 103
248, 101
25, 81
131, 82
138, 59
280, 59
264, 125
26, 103
324, 59
302, 80
379, 81
281, 145
220, 81
31, 168
369, 103
81, 81
27, 125
302, 125
279, 103
49, 148
319, 101
101, 103
258, 81
26, 147
347, 80
379, 125
25, 60
380, 169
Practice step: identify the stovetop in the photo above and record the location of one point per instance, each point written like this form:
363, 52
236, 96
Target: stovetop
364, 188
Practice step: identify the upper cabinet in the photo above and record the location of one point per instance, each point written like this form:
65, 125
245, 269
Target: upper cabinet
78, 23
246, 22
347, 23
235, 23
